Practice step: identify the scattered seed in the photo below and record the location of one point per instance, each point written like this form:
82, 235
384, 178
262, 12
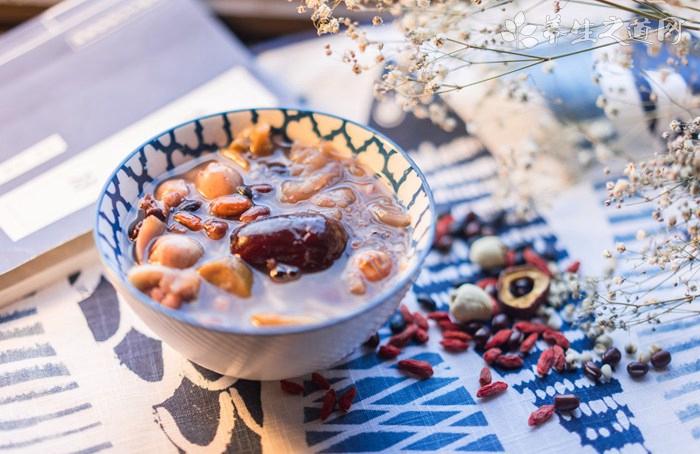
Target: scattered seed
485, 376
566, 402
407, 315
591, 370
559, 360
541, 415
290, 387
439, 316
388, 351
606, 370
420, 369
449, 326
499, 338
661, 359
514, 339
426, 302
320, 381
611, 356
491, 389
482, 336
545, 362
328, 404
373, 341
509, 361
556, 337
402, 339
630, 348
346, 399
421, 336
472, 327
637, 369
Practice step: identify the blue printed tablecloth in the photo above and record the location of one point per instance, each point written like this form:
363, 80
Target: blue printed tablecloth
80, 373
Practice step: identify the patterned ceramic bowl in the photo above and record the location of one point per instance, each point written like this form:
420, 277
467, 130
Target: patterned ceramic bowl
260, 353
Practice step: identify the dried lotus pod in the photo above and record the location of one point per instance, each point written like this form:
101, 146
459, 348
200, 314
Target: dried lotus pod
217, 180
151, 227
175, 251
373, 264
229, 274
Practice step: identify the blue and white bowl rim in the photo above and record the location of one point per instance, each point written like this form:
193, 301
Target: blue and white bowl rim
188, 318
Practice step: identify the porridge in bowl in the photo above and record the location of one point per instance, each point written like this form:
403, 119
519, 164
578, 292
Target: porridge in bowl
266, 232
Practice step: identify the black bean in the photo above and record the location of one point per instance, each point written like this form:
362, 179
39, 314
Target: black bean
499, 322
426, 302
591, 370
492, 290
472, 327
472, 229
637, 369
397, 324
612, 356
522, 286
481, 336
566, 402
190, 205
660, 359
373, 341
516, 337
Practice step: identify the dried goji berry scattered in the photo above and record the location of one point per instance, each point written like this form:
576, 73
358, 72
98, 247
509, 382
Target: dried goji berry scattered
573, 268
447, 325
420, 321
510, 257
403, 338
388, 351
545, 362
559, 361
485, 376
491, 389
328, 404
320, 381
421, 369
485, 282
499, 338
406, 314
491, 354
528, 343
291, 387
442, 227
541, 415
449, 334
530, 327
421, 336
439, 315
454, 345
346, 399
555, 337
535, 260
509, 361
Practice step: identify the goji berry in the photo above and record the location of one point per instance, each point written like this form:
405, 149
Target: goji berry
403, 338
541, 415
555, 337
449, 334
388, 351
485, 282
320, 381
528, 343
328, 404
559, 361
491, 389
406, 314
421, 369
545, 362
346, 399
421, 336
439, 315
530, 327
534, 259
499, 338
509, 361
420, 321
291, 387
573, 268
454, 345
485, 376
447, 325
491, 354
